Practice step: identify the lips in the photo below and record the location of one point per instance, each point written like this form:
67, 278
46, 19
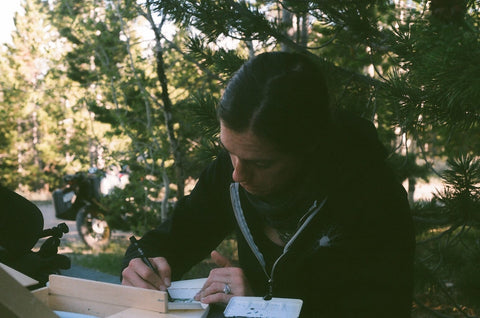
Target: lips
247, 188
243, 185
252, 190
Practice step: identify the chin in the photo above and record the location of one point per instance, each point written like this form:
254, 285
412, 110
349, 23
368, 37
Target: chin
255, 191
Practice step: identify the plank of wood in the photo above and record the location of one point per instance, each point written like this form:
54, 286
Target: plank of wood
17, 301
107, 293
23, 279
82, 306
134, 313
41, 294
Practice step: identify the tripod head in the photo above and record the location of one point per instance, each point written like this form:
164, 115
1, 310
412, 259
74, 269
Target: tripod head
56, 231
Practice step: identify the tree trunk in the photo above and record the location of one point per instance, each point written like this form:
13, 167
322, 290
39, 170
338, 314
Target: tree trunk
286, 23
166, 184
167, 107
411, 190
303, 30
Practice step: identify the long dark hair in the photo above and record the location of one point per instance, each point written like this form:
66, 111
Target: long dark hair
281, 97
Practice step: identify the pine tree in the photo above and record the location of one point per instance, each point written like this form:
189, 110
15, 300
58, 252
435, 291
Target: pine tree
408, 66
26, 96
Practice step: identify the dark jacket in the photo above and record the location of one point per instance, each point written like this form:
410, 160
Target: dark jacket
355, 257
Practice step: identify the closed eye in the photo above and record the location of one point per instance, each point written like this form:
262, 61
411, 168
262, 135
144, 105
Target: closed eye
263, 163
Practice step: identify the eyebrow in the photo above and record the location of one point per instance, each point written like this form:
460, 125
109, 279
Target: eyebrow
222, 145
247, 160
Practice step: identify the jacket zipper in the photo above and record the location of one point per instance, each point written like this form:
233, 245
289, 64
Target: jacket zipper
242, 223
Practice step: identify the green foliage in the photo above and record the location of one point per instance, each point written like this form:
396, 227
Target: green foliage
436, 90
134, 208
219, 61
445, 274
81, 86
201, 125
457, 205
448, 227
108, 261
461, 197
27, 150
103, 262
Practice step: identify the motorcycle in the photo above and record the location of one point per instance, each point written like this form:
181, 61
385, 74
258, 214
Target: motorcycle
79, 201
20, 229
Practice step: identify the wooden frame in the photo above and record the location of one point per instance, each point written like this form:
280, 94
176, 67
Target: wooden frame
99, 299
17, 301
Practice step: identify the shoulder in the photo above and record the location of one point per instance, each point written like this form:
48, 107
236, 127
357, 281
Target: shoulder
358, 170
219, 170
215, 179
353, 154
357, 135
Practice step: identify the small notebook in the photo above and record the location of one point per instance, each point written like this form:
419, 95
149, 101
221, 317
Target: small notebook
183, 291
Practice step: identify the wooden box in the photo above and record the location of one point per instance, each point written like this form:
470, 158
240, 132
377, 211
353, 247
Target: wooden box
87, 297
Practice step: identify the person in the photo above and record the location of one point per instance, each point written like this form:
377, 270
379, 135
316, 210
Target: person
317, 213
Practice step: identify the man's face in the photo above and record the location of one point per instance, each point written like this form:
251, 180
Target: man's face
258, 167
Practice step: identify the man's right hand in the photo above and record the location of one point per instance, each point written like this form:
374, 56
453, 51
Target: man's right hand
138, 274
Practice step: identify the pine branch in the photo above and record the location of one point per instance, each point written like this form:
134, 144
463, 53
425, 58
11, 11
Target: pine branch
193, 61
430, 310
441, 235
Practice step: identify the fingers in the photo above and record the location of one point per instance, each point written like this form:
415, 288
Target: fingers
214, 293
135, 274
213, 289
163, 269
140, 275
220, 260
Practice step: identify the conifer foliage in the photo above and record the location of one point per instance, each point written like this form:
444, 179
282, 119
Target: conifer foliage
135, 84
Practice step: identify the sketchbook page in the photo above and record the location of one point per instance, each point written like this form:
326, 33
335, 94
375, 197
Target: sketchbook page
66, 314
183, 291
254, 307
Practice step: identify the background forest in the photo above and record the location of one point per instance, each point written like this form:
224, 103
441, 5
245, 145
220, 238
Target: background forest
134, 85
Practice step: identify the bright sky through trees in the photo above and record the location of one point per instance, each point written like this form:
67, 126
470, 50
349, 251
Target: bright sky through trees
6, 19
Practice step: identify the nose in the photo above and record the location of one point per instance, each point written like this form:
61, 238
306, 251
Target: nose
240, 173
